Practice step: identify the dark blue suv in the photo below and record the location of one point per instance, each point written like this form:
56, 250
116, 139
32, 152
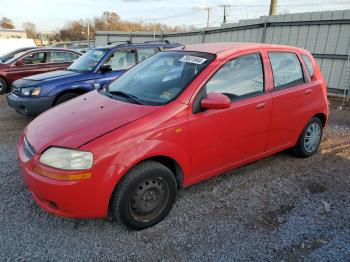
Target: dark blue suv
96, 68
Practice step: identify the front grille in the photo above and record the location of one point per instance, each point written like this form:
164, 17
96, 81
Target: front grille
29, 151
15, 90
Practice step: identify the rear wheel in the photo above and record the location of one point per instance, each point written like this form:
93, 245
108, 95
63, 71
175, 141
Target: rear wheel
310, 139
3, 86
144, 196
65, 97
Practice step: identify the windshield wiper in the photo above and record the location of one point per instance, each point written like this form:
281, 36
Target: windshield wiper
130, 97
72, 70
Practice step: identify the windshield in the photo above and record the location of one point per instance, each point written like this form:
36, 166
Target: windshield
88, 61
11, 57
18, 52
160, 78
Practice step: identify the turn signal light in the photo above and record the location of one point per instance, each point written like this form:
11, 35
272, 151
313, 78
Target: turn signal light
60, 176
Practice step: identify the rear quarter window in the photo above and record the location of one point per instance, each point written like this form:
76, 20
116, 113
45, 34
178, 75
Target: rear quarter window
309, 66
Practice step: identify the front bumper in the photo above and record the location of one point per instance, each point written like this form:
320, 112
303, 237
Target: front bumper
30, 105
87, 198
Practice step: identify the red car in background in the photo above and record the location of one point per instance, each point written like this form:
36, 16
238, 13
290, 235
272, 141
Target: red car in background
178, 117
33, 61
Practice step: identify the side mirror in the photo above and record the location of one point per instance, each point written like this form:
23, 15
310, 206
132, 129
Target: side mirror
19, 63
105, 68
215, 101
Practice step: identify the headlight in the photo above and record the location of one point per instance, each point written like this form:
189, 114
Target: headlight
31, 91
67, 159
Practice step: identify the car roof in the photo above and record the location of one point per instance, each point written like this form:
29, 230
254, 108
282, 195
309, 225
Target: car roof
51, 49
217, 48
25, 48
138, 45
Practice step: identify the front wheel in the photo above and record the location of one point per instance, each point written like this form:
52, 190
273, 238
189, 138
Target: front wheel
3, 86
144, 196
310, 139
65, 97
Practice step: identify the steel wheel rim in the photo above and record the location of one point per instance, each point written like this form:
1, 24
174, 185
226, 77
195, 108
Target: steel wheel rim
1, 86
149, 199
312, 137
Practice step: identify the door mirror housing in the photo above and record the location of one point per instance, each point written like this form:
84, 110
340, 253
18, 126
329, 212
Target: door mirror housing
105, 68
215, 101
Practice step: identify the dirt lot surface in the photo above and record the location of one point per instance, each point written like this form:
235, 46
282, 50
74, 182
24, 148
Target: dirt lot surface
280, 208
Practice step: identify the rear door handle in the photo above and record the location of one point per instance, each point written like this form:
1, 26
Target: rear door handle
260, 106
308, 92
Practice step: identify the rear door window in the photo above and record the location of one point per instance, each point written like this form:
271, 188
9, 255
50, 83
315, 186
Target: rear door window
286, 69
63, 57
308, 64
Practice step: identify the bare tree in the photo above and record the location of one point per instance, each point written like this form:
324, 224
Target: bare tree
30, 29
109, 21
6, 23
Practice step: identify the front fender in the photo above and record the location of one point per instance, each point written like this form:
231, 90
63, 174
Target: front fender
85, 86
153, 148
163, 133
125, 160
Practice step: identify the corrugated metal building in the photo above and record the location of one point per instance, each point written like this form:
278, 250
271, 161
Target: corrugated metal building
325, 34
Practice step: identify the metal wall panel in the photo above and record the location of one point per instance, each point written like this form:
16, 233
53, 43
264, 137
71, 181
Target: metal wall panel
322, 33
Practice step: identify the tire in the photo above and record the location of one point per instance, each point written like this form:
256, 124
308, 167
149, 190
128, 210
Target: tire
144, 196
3, 86
303, 148
65, 97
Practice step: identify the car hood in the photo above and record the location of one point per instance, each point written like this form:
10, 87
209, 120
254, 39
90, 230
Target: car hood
62, 75
81, 120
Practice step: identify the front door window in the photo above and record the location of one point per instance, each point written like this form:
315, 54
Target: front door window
122, 60
35, 58
239, 78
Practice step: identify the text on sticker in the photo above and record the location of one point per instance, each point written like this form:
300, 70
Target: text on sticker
193, 59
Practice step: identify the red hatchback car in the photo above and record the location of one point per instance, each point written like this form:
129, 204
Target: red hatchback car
33, 61
177, 118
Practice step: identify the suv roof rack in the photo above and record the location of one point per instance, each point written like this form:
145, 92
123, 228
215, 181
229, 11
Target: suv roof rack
159, 41
113, 42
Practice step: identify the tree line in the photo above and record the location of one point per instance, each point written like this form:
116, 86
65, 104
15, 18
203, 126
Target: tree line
107, 21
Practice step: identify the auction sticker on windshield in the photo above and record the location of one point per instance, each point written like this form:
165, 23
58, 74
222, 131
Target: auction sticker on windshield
193, 59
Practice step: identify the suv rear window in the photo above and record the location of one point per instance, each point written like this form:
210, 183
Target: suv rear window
286, 69
308, 64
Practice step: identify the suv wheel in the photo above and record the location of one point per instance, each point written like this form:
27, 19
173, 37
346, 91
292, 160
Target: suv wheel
65, 97
310, 139
3, 86
144, 196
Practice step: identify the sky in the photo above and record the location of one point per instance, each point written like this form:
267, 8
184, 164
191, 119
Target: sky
50, 15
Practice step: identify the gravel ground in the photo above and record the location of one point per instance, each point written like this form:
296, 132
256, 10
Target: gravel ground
279, 208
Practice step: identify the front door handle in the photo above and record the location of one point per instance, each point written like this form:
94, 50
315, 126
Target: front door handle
307, 91
260, 106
